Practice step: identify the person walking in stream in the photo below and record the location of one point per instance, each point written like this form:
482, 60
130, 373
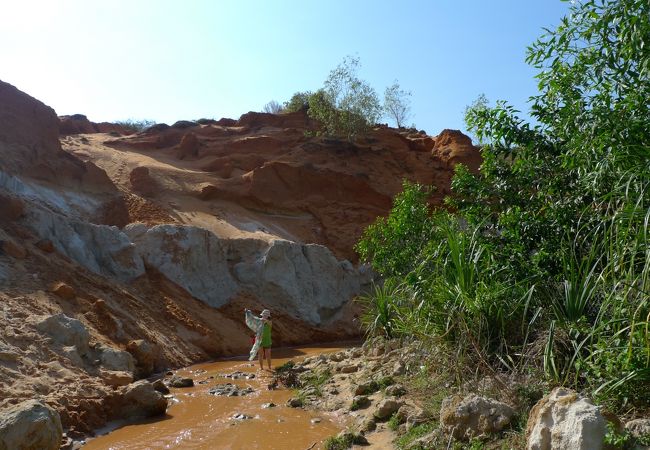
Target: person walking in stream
262, 328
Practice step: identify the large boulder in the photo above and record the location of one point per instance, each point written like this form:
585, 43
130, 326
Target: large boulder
117, 360
66, 331
386, 408
30, 425
565, 420
473, 416
140, 399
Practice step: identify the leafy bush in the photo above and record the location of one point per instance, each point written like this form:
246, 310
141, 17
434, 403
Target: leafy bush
346, 105
298, 102
542, 261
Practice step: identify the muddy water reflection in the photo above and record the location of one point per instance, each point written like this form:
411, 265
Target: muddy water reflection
197, 419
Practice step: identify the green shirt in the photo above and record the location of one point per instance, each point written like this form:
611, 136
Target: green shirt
266, 335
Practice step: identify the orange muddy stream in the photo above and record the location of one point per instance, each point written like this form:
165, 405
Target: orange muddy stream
197, 419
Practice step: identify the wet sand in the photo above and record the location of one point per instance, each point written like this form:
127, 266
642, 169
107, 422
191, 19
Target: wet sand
197, 419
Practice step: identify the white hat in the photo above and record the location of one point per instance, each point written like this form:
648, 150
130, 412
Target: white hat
266, 314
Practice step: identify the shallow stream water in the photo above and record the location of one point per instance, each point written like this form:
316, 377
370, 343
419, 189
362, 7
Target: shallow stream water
197, 419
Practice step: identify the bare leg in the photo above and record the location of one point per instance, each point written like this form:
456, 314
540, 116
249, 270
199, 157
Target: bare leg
261, 355
268, 357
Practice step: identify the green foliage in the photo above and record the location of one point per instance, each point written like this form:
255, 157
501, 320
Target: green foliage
343, 441
392, 244
339, 442
298, 102
397, 104
135, 125
316, 379
286, 367
346, 105
384, 382
380, 310
544, 261
393, 423
414, 433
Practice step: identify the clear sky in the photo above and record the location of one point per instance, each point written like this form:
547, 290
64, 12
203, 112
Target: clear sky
168, 60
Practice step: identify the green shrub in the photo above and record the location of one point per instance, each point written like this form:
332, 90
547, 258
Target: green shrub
298, 102
346, 105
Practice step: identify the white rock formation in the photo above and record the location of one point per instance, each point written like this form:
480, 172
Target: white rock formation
102, 249
564, 420
306, 281
191, 257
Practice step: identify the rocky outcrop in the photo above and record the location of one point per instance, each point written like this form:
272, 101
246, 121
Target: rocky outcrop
30, 132
306, 281
63, 290
473, 416
116, 360
66, 331
30, 425
140, 399
565, 420
190, 257
79, 124
454, 147
307, 189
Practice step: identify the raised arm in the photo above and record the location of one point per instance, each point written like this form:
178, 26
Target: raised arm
253, 322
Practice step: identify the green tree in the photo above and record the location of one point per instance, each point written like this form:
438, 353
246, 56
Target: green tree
298, 102
397, 104
346, 105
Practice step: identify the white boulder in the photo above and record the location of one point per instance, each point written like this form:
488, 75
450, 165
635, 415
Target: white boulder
565, 420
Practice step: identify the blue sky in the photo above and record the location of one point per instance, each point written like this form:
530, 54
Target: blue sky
170, 60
